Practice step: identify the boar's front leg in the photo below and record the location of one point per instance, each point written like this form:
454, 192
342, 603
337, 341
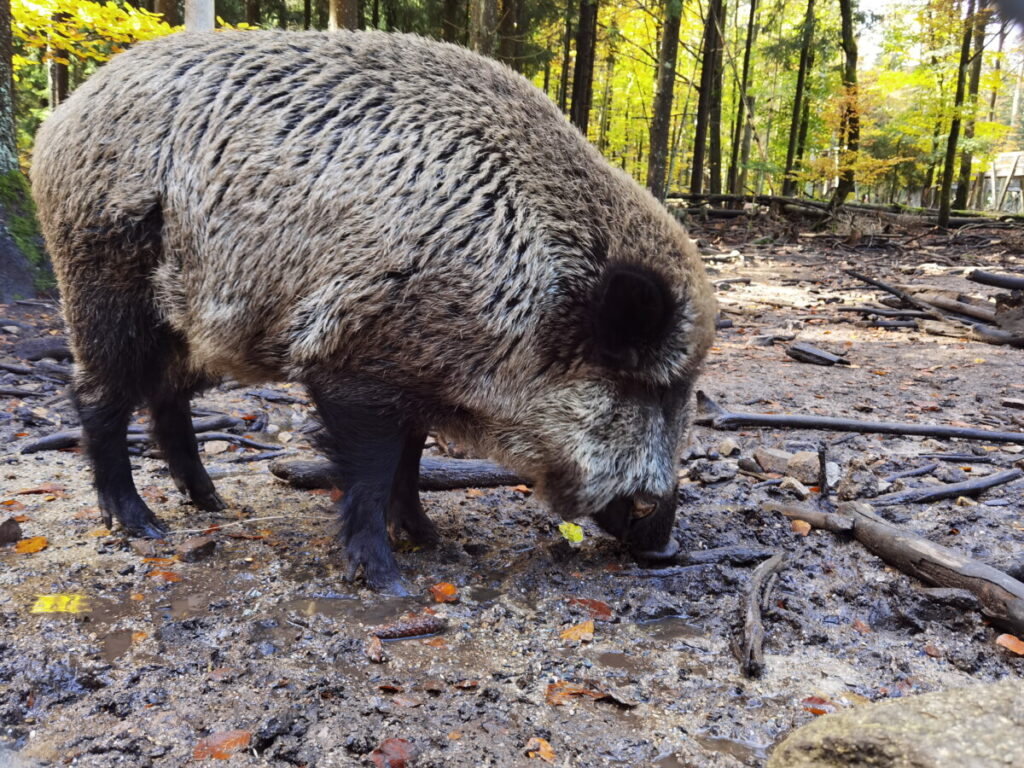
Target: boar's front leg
365, 443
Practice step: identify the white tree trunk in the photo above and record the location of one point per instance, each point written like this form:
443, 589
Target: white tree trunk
199, 15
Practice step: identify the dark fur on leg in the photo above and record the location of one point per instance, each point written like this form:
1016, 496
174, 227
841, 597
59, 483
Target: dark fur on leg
405, 512
172, 428
105, 425
365, 444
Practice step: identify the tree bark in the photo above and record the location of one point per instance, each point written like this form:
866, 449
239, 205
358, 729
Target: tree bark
851, 108
743, 108
605, 119
483, 26
954, 128
307, 14
8, 145
583, 75
563, 80
168, 9
199, 16
661, 118
453, 21
971, 105
709, 47
342, 14
715, 116
789, 183
253, 14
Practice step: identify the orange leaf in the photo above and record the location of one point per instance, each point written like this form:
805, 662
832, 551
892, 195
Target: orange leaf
1011, 643
160, 560
474, 493
559, 693
44, 488
861, 626
12, 504
31, 545
137, 597
524, 489
164, 575
801, 527
138, 637
96, 533
597, 609
21, 518
540, 748
394, 753
445, 592
221, 745
583, 633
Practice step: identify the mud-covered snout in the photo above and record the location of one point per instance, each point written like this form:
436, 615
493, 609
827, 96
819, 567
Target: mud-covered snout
643, 522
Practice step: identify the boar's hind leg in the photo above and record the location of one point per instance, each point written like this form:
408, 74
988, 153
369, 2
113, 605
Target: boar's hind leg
366, 447
405, 512
172, 428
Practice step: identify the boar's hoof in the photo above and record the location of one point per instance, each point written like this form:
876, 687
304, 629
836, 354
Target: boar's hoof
380, 571
417, 526
667, 553
138, 520
209, 502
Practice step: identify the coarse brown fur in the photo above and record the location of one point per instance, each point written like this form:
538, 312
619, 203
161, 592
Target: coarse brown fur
411, 230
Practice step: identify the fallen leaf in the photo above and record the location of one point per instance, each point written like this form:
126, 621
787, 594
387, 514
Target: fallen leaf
221, 745
582, 633
523, 489
540, 748
31, 545
13, 505
60, 603
861, 626
455, 735
374, 650
169, 576
817, 706
597, 609
561, 692
474, 493
445, 592
138, 637
1011, 643
44, 488
435, 642
394, 753
97, 533
800, 527
407, 701
571, 532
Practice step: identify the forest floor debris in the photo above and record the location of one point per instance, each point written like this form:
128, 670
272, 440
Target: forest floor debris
116, 650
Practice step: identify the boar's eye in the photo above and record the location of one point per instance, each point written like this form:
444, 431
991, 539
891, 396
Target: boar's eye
632, 310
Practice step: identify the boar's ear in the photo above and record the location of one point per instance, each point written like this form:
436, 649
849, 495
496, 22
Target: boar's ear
632, 309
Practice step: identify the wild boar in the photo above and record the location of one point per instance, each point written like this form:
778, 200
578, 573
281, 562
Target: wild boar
410, 230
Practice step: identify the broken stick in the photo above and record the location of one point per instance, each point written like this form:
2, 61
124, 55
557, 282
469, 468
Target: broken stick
715, 416
751, 645
949, 490
435, 474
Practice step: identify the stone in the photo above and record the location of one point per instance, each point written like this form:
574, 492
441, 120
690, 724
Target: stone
981, 725
804, 466
216, 446
713, 471
195, 549
772, 459
795, 487
143, 547
728, 447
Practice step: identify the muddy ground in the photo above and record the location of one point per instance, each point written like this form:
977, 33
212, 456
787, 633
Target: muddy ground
265, 637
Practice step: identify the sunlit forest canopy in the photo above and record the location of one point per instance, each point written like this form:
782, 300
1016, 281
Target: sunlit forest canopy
761, 97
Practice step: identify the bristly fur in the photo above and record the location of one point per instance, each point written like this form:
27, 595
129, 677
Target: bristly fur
374, 208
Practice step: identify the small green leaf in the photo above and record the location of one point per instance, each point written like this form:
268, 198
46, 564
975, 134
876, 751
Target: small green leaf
572, 532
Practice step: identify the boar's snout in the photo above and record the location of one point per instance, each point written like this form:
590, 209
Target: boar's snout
643, 522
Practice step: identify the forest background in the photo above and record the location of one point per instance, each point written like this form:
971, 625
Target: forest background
696, 98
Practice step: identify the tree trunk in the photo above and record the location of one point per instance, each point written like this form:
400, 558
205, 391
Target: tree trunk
563, 80
661, 117
307, 14
252, 12
606, 98
715, 116
483, 26
748, 136
583, 75
971, 105
342, 14
707, 55
168, 9
851, 109
8, 145
282, 14
954, 128
199, 16
453, 21
510, 34
740, 127
789, 182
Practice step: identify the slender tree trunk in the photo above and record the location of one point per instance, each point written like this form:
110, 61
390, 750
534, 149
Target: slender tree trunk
307, 14
8, 145
282, 14
954, 128
715, 137
709, 48
971, 105
168, 9
252, 12
742, 107
342, 14
563, 80
605, 118
453, 21
789, 183
661, 117
483, 26
748, 136
583, 76
801, 145
850, 141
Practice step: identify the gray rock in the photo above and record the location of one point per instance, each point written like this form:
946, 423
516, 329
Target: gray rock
772, 459
981, 726
804, 466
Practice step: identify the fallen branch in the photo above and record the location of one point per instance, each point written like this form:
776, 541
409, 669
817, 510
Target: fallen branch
435, 474
949, 490
751, 644
71, 438
245, 442
21, 393
1008, 282
716, 417
1001, 595
827, 521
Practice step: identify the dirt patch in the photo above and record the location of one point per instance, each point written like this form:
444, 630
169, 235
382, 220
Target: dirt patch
265, 637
